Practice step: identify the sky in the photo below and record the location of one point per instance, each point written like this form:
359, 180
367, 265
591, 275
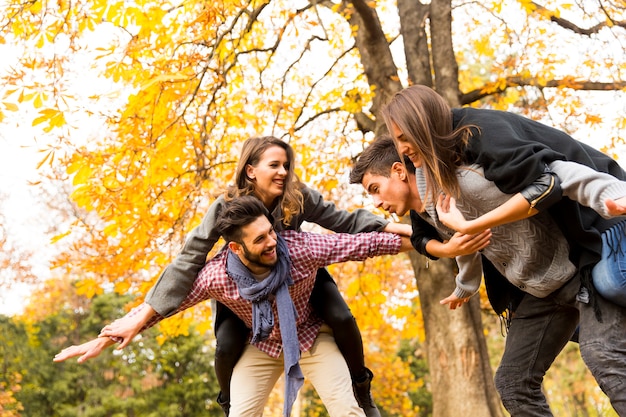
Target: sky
22, 211
20, 145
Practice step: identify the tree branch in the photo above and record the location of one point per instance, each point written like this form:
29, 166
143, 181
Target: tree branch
566, 24
502, 85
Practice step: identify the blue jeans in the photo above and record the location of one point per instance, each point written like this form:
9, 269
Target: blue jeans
540, 328
609, 275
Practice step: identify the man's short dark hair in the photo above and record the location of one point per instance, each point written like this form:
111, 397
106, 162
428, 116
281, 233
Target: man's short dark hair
377, 159
238, 213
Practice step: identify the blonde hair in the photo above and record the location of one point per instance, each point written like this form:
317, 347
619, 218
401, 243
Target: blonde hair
425, 119
291, 202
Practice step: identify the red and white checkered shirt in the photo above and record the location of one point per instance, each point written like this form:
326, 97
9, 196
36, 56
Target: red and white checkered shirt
308, 252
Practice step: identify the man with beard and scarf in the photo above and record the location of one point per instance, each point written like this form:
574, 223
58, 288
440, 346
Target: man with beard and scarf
267, 279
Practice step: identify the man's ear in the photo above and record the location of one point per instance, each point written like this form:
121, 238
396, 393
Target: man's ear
234, 247
398, 169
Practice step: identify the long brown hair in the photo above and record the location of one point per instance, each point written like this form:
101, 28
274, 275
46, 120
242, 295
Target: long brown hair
425, 119
292, 201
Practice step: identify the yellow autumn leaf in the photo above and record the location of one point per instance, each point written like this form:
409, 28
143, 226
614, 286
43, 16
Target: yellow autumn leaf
593, 119
38, 101
111, 230
82, 175
60, 236
49, 115
122, 287
10, 106
88, 287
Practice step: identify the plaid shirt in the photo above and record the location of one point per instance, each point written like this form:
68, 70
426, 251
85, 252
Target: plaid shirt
308, 252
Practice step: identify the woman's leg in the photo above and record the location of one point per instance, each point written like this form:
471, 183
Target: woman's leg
609, 275
332, 308
231, 335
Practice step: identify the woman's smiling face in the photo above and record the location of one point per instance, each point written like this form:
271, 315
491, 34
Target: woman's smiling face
406, 147
269, 174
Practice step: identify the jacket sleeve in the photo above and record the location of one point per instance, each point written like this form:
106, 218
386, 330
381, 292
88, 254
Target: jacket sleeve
423, 232
176, 281
587, 186
544, 191
469, 276
327, 215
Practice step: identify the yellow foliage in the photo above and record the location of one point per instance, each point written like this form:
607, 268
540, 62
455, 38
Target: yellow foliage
176, 326
484, 46
529, 6
60, 236
83, 173
55, 294
122, 287
52, 117
88, 287
9, 405
592, 119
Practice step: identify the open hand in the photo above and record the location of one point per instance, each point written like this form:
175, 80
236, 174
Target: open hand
87, 350
122, 330
461, 244
616, 207
453, 301
449, 214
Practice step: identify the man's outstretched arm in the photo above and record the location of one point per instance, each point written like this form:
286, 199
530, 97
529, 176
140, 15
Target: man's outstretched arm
123, 330
87, 350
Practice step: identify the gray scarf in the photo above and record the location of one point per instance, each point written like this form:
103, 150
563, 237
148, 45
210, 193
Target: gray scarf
263, 317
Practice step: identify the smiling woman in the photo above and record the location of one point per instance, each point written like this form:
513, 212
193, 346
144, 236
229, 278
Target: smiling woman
270, 174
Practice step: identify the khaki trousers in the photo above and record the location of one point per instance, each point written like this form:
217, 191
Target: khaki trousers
256, 374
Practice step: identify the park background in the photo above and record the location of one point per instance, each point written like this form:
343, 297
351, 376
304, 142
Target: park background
121, 120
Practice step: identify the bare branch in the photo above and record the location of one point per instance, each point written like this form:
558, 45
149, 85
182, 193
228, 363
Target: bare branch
489, 90
566, 24
364, 122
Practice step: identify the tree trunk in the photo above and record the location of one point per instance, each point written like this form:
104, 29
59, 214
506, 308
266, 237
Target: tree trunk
444, 62
413, 19
461, 380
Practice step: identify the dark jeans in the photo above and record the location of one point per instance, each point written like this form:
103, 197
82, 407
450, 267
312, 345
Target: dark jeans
539, 330
231, 332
